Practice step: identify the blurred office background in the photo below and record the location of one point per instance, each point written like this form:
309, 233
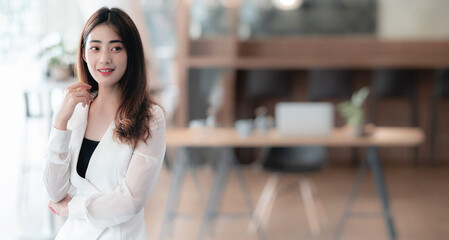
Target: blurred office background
223, 59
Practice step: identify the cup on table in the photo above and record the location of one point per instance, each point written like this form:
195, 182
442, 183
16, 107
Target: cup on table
244, 127
197, 123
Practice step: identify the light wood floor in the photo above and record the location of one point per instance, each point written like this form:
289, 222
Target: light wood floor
419, 198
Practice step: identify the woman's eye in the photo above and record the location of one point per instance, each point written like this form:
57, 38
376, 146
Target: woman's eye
116, 49
94, 48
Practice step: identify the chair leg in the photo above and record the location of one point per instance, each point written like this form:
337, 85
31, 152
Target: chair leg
309, 204
320, 205
268, 210
267, 196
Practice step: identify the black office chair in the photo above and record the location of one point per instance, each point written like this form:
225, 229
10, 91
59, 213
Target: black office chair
293, 160
395, 84
440, 91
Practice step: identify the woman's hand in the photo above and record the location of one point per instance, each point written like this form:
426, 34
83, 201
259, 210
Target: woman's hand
74, 94
60, 208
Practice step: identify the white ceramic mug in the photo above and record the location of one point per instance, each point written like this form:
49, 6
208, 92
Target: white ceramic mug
197, 123
244, 127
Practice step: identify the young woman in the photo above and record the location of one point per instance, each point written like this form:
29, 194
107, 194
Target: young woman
107, 143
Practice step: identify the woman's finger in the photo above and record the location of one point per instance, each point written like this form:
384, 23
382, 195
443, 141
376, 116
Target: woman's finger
77, 95
76, 89
73, 97
79, 85
80, 92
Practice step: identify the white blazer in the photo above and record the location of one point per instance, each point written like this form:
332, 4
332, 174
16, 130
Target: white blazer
109, 202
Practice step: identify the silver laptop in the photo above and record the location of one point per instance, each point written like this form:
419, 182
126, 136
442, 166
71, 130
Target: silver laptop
304, 118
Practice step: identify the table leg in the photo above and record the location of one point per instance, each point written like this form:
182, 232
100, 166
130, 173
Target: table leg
352, 196
216, 193
179, 169
243, 186
376, 169
371, 162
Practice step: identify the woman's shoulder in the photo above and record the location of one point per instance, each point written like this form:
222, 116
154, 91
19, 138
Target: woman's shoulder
158, 115
157, 111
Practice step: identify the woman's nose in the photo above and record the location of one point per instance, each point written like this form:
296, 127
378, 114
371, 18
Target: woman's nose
105, 57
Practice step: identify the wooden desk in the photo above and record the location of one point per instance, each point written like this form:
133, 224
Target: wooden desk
227, 138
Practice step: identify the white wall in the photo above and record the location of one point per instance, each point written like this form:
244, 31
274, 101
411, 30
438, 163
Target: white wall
418, 19
62, 17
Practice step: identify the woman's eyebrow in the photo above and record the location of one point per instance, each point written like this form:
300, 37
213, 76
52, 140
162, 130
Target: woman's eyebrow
112, 41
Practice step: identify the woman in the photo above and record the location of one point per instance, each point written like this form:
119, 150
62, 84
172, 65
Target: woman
107, 143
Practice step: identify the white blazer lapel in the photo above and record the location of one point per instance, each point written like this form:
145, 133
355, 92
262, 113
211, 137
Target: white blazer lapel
78, 127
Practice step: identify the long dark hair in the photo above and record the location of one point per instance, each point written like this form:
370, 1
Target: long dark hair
134, 113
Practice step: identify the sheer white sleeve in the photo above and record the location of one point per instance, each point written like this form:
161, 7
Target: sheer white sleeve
57, 164
108, 209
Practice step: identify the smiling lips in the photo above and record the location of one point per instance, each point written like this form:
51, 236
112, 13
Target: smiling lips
105, 71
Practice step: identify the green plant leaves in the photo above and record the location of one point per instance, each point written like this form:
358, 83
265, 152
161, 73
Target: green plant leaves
352, 110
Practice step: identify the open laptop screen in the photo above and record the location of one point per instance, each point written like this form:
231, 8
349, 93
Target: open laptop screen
304, 118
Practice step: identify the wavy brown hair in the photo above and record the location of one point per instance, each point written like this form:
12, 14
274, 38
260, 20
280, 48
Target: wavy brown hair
133, 115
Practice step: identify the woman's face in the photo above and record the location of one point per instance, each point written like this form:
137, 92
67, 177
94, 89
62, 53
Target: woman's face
105, 55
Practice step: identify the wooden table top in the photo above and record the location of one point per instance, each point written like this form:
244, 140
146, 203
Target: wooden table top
228, 137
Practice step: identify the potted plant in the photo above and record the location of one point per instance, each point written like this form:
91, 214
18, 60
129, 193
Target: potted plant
352, 111
58, 59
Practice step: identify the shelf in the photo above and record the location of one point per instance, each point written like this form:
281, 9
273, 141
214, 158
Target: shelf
304, 53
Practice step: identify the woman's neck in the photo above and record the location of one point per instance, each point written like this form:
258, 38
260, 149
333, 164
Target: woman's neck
107, 100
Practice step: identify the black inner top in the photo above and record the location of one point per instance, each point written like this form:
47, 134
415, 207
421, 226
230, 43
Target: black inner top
87, 149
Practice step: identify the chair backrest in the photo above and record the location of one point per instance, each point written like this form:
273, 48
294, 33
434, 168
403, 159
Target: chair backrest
441, 88
268, 83
393, 83
328, 84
